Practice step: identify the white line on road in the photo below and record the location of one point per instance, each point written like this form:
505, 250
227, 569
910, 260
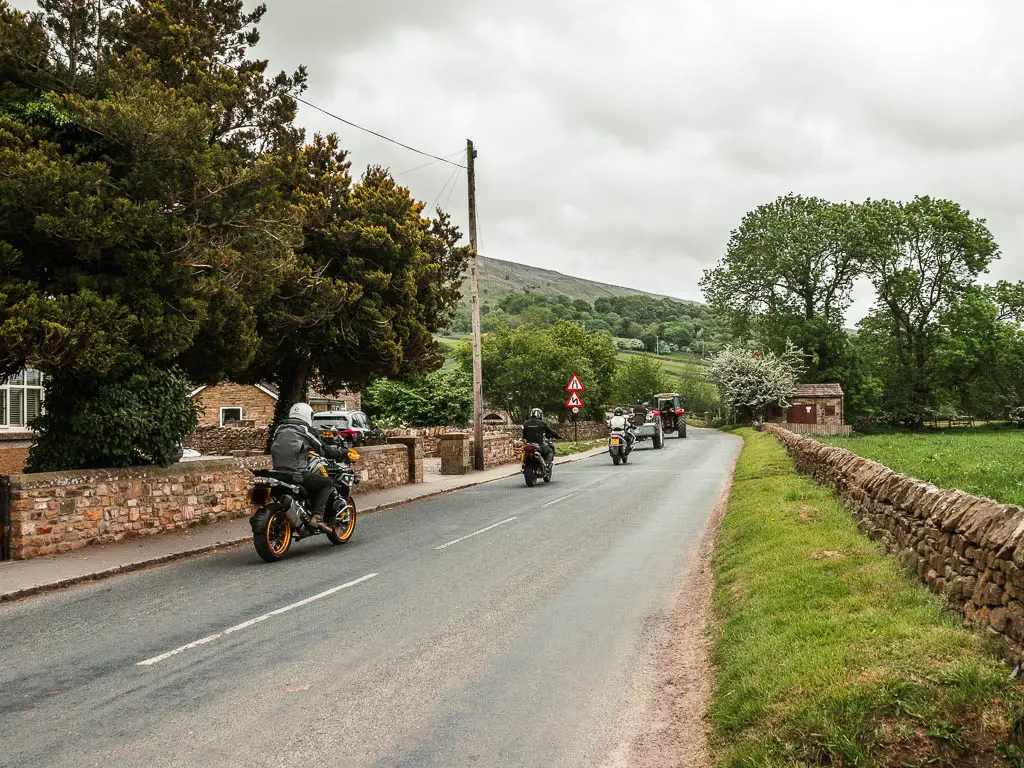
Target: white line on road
476, 533
252, 622
563, 498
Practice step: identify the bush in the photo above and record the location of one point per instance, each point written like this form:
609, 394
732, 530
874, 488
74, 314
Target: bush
441, 398
139, 419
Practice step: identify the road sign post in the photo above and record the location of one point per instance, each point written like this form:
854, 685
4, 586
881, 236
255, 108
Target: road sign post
574, 387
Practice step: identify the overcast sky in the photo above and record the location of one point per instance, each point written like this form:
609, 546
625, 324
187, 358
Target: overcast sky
622, 141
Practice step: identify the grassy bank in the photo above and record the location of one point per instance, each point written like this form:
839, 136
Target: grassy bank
826, 653
986, 462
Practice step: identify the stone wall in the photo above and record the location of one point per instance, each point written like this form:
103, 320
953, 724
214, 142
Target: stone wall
60, 511
457, 451
223, 441
381, 467
432, 435
588, 430
966, 548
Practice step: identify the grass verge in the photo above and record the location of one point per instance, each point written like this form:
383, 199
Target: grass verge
982, 461
827, 653
567, 448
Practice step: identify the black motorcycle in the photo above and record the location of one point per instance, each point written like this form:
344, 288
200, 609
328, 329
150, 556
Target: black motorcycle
284, 512
534, 465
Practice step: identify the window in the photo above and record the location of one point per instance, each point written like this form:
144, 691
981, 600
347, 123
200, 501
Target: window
21, 399
230, 414
830, 410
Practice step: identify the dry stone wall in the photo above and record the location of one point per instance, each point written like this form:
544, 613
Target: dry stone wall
967, 548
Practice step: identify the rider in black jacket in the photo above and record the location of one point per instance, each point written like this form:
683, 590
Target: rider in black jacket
536, 430
293, 441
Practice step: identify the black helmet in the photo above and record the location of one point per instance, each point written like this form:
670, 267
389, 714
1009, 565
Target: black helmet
618, 411
536, 413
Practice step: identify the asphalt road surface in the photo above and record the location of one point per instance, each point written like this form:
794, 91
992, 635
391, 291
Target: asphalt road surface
496, 626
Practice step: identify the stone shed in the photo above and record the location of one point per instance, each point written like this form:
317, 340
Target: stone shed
814, 409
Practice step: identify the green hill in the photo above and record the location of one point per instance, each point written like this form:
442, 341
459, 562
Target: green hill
499, 279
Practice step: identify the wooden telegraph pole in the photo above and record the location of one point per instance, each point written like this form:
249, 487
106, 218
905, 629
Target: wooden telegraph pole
474, 283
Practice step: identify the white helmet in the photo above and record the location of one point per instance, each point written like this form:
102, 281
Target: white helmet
303, 413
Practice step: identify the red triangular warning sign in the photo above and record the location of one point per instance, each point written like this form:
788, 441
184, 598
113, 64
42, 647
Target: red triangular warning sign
575, 385
574, 401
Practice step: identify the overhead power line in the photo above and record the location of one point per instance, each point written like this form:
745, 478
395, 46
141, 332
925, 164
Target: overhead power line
378, 135
427, 165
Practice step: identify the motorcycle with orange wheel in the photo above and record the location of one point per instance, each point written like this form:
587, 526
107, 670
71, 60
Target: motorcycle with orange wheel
284, 508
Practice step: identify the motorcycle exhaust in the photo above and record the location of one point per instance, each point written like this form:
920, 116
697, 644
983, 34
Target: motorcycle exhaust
294, 513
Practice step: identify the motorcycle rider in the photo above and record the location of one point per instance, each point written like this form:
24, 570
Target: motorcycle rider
620, 422
639, 413
293, 441
536, 430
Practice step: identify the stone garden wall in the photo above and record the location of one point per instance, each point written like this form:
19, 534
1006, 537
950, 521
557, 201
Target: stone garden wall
432, 436
60, 511
966, 548
223, 441
457, 451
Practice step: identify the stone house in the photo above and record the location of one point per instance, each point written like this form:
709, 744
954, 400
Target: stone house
21, 400
229, 402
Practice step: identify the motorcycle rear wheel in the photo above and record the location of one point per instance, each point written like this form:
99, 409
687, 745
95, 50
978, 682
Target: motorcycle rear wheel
530, 475
271, 534
616, 458
341, 531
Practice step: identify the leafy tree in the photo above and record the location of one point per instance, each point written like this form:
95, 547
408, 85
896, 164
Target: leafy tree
440, 398
922, 257
750, 381
131, 239
373, 282
787, 274
528, 367
640, 378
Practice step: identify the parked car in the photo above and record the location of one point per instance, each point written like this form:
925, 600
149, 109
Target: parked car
357, 423
335, 423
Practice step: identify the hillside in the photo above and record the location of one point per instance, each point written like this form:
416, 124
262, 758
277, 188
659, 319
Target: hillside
499, 279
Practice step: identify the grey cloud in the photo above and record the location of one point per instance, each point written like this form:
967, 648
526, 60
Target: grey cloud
622, 141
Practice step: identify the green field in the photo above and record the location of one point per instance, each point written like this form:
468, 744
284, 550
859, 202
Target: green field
828, 653
684, 366
982, 461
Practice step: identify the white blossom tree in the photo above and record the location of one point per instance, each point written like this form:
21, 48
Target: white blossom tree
749, 380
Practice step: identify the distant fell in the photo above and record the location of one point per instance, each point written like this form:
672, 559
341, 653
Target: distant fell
499, 279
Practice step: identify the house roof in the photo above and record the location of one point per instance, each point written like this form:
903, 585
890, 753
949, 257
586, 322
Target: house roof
819, 390
268, 389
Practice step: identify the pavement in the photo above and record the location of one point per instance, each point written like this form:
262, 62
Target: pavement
496, 625
22, 578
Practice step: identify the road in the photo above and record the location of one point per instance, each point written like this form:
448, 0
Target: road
497, 626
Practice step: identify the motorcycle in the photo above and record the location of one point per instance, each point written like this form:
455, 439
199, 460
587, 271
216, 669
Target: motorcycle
534, 465
619, 446
284, 513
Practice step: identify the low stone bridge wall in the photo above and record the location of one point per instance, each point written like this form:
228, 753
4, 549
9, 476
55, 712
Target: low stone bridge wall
967, 548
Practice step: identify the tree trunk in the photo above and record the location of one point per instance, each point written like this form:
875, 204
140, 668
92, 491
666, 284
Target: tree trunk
292, 381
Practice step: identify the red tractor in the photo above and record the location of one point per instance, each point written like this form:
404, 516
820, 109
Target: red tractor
668, 406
